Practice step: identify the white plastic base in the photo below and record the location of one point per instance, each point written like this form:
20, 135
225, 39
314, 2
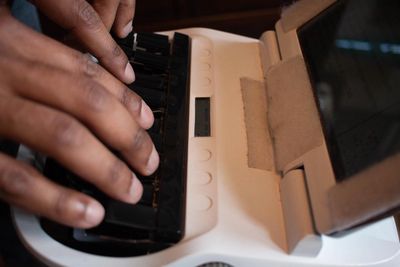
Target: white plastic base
234, 212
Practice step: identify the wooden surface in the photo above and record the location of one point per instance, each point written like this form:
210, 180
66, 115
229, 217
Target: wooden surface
245, 17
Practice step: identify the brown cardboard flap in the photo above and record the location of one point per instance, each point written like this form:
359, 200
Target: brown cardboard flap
368, 194
259, 144
302, 11
269, 51
292, 113
300, 236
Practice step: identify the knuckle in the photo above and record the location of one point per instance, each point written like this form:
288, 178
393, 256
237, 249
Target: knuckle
125, 97
113, 54
117, 51
87, 16
139, 139
131, 102
60, 205
116, 171
66, 206
95, 96
14, 181
66, 130
88, 67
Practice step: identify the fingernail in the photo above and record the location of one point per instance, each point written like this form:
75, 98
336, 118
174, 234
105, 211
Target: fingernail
153, 162
146, 115
136, 189
94, 213
129, 73
127, 29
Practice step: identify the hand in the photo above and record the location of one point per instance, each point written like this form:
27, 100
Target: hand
91, 28
56, 101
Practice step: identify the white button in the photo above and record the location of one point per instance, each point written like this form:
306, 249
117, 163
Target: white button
205, 66
206, 52
202, 203
203, 155
206, 81
202, 178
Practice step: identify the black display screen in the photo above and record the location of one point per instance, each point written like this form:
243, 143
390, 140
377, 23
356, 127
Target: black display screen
352, 51
202, 124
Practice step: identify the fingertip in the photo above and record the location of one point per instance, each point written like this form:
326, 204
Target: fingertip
152, 163
135, 190
94, 214
129, 74
146, 116
126, 30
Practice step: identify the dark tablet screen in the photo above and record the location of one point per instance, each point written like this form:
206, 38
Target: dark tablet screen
352, 51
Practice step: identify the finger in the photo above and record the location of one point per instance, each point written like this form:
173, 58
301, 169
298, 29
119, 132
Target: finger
107, 9
43, 49
82, 20
22, 186
62, 137
124, 17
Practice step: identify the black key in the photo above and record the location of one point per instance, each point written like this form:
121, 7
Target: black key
146, 179
170, 167
156, 134
156, 128
142, 69
150, 60
136, 216
147, 197
154, 98
170, 134
107, 232
180, 46
153, 81
157, 140
128, 51
153, 38
127, 41
9, 147
151, 42
171, 205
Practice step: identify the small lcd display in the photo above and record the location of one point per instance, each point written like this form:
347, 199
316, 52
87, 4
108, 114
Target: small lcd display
202, 126
352, 51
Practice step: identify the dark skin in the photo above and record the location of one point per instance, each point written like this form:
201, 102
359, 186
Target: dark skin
57, 101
